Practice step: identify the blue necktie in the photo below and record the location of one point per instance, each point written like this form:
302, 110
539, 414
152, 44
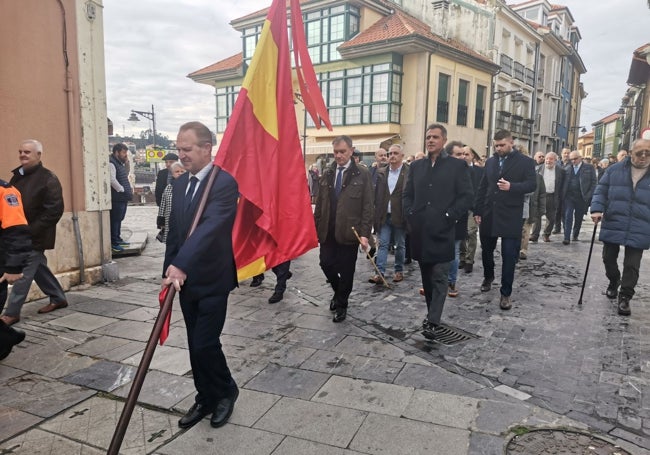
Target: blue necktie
339, 181
501, 160
190, 193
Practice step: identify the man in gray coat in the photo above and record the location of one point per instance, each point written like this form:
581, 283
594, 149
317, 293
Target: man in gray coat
622, 202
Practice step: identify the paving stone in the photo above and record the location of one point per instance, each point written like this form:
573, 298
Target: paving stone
316, 339
272, 314
442, 409
14, 422
48, 360
496, 417
512, 392
227, 440
369, 348
289, 382
435, 379
354, 366
365, 395
381, 434
130, 330
160, 389
177, 337
324, 322
243, 370
93, 422
109, 348
294, 446
41, 396
485, 444
106, 308
82, 321
316, 422
6, 372
38, 442
165, 358
265, 351
104, 376
254, 329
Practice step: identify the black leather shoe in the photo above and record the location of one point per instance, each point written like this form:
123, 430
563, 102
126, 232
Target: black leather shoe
429, 330
257, 281
340, 315
575, 238
194, 415
505, 303
9, 337
612, 290
487, 284
333, 304
223, 411
469, 267
533, 239
565, 242
624, 305
276, 297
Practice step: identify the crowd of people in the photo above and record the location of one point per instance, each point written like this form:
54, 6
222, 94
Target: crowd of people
433, 207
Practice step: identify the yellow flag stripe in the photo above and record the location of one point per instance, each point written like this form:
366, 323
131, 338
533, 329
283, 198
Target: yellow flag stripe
261, 81
254, 268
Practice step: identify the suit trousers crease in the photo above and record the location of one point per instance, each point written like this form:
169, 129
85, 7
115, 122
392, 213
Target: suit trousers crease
338, 263
204, 320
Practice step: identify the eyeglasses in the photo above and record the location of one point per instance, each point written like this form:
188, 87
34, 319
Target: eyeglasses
641, 153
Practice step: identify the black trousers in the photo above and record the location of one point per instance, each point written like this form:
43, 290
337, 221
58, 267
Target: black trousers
204, 319
282, 274
551, 212
435, 279
338, 263
631, 266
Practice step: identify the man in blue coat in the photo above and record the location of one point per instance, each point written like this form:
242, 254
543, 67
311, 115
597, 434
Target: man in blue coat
437, 194
622, 202
202, 268
499, 210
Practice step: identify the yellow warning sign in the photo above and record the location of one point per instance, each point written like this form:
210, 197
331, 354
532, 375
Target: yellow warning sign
155, 156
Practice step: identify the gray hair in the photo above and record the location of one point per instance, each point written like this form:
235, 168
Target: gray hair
553, 154
37, 144
176, 164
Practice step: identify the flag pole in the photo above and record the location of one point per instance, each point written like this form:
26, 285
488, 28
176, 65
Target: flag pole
138, 380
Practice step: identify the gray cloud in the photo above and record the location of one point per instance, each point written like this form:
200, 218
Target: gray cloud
151, 46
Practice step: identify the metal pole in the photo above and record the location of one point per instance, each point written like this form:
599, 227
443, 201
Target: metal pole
140, 374
153, 121
591, 247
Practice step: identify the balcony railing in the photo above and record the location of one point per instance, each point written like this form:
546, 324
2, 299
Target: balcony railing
461, 115
442, 114
506, 64
479, 119
530, 76
519, 72
540, 78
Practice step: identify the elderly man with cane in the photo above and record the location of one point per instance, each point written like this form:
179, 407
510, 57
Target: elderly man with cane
622, 202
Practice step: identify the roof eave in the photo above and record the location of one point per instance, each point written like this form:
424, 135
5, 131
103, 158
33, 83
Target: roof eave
211, 77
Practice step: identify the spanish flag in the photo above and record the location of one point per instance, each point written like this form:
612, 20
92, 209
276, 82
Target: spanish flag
261, 150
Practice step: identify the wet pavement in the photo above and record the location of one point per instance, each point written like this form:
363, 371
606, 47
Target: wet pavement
369, 385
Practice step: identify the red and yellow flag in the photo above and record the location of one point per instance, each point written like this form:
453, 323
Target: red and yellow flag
261, 150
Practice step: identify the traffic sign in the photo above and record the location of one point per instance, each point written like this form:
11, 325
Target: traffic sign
155, 155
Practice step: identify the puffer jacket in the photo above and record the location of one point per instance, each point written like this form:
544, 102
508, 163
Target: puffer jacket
626, 211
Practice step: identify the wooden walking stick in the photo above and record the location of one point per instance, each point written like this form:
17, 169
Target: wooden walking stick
591, 247
138, 380
372, 260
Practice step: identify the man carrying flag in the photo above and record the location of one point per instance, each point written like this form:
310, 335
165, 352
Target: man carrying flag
201, 268
344, 203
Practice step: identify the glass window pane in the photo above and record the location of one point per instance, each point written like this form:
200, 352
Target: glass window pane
480, 96
336, 93
380, 87
367, 84
463, 88
314, 54
353, 115
443, 87
379, 113
353, 86
337, 9
382, 67
365, 116
336, 116
313, 33
337, 25
395, 113
354, 26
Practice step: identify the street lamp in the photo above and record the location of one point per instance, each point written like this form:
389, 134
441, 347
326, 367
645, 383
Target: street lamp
582, 131
148, 115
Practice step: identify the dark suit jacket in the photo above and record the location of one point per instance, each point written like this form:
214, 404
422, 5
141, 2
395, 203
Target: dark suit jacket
161, 184
502, 211
207, 255
588, 181
435, 198
476, 173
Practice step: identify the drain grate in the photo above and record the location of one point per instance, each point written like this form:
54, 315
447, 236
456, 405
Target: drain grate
448, 335
569, 442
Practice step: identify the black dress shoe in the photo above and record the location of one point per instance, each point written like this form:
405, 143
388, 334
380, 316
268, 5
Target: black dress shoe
429, 330
223, 411
565, 242
487, 284
333, 303
612, 290
624, 305
194, 415
276, 297
469, 267
257, 281
340, 315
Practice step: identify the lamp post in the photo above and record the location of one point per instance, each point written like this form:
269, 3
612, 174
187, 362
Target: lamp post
495, 96
148, 115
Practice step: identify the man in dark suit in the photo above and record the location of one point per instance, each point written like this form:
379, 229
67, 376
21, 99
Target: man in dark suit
164, 177
202, 268
499, 209
345, 201
468, 246
579, 185
438, 193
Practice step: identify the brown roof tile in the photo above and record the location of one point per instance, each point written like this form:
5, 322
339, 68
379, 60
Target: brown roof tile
225, 64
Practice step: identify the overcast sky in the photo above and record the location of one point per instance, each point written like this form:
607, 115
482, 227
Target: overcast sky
152, 45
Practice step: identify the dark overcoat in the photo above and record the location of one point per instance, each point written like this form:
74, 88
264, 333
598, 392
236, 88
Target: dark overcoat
435, 198
502, 211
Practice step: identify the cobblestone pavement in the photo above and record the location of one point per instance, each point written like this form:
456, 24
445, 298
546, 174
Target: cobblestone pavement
370, 385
